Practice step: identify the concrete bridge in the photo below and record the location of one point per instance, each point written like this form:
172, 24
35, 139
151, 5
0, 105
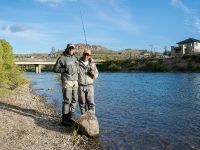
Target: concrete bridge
38, 63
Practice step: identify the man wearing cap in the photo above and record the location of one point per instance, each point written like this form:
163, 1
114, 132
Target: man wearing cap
68, 66
87, 73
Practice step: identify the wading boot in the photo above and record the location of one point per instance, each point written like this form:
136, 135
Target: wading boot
72, 117
66, 120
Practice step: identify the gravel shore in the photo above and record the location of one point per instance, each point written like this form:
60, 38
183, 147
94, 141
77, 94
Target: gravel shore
27, 122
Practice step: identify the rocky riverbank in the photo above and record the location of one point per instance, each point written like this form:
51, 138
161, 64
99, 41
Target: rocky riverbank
27, 122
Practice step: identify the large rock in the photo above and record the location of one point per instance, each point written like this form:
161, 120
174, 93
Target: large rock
88, 124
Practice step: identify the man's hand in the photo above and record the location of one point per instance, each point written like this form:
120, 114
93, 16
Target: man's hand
92, 73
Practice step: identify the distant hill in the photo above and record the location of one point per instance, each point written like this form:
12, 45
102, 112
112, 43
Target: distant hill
81, 47
98, 52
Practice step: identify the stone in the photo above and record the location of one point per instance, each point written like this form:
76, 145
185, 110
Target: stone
88, 124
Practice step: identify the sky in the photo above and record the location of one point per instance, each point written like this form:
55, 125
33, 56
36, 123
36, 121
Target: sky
35, 26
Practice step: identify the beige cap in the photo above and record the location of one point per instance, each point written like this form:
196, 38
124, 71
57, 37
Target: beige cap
87, 51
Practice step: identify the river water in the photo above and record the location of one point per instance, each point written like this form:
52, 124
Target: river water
139, 111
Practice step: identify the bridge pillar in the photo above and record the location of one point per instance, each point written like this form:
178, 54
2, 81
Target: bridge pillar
37, 68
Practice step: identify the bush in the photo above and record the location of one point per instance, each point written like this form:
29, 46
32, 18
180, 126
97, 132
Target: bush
113, 67
133, 62
178, 68
196, 58
10, 76
186, 56
154, 66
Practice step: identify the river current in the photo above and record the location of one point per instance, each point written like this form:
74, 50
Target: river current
139, 111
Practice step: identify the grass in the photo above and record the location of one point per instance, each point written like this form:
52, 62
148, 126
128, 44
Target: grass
75, 129
5, 92
8, 91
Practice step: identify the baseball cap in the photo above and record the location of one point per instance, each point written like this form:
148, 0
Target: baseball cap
70, 45
87, 51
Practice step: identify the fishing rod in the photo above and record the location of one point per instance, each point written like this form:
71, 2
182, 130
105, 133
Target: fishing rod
81, 15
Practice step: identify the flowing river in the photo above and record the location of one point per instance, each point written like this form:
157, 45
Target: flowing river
139, 111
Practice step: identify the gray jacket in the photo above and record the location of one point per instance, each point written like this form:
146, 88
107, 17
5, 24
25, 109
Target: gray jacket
67, 65
84, 76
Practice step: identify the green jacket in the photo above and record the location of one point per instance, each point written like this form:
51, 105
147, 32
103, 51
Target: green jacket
68, 66
85, 77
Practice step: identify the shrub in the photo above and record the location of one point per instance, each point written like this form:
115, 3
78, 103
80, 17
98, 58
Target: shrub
10, 76
196, 58
154, 66
113, 67
178, 68
133, 62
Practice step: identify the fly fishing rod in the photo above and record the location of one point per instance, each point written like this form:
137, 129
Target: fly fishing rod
81, 16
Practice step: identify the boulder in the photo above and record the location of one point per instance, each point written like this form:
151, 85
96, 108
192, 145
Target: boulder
88, 124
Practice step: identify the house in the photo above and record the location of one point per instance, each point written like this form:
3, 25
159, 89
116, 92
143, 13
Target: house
187, 47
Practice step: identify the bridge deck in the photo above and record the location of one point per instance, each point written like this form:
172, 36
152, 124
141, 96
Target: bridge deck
34, 63
43, 62
38, 63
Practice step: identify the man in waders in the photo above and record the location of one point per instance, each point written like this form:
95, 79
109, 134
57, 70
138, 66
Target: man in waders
87, 73
67, 65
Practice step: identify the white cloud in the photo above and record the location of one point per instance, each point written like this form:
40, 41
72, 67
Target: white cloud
54, 2
114, 15
122, 24
197, 24
180, 4
50, 2
194, 21
122, 17
19, 28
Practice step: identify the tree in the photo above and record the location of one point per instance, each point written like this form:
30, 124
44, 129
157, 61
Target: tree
53, 52
10, 76
166, 52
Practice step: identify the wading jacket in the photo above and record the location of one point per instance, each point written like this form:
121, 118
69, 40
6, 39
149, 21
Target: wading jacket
68, 66
84, 76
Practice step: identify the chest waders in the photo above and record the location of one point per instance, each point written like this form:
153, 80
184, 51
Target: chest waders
86, 89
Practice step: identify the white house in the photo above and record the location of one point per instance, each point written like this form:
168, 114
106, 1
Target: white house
187, 47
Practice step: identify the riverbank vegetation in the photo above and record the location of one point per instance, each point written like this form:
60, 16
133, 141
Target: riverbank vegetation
10, 75
187, 63
123, 60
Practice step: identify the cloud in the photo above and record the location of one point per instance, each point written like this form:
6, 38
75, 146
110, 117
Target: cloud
197, 24
51, 2
18, 28
195, 20
180, 4
3, 28
114, 14
122, 24
54, 2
